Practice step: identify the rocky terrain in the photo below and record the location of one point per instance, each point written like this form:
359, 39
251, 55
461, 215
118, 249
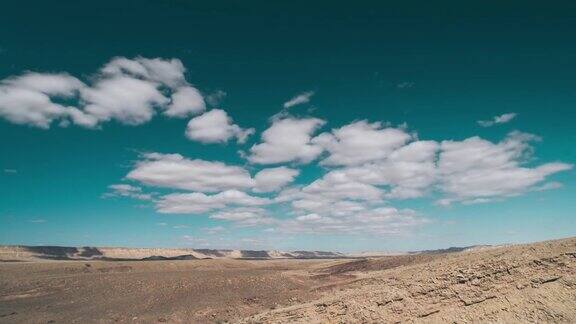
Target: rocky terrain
510, 284
517, 284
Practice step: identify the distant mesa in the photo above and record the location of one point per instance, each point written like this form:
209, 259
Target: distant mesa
255, 254
36, 253
212, 252
86, 253
163, 258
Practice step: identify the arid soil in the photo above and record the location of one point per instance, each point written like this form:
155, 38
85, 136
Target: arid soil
525, 283
518, 284
149, 291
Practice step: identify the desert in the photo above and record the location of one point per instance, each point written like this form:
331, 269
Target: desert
228, 161
516, 283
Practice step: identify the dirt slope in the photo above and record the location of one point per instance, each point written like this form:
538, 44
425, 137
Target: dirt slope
529, 283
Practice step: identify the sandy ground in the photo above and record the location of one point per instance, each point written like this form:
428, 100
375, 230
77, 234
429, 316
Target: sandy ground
151, 291
529, 283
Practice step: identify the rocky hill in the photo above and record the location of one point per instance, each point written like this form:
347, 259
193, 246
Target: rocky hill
511, 284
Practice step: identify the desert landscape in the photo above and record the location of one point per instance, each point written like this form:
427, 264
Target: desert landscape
189, 161
516, 283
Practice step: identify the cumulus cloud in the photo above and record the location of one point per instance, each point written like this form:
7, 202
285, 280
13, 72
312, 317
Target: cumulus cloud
215, 126
360, 142
336, 186
365, 164
129, 91
168, 72
377, 221
341, 203
287, 140
273, 179
128, 100
299, 99
27, 99
332, 199
51, 84
478, 170
186, 101
176, 172
197, 202
127, 190
502, 119
408, 172
354, 193
244, 216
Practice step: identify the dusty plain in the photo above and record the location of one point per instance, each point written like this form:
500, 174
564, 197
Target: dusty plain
512, 284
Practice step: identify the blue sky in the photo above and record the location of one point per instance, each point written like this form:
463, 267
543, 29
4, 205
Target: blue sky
378, 126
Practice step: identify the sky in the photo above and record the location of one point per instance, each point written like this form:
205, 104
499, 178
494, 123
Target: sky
372, 126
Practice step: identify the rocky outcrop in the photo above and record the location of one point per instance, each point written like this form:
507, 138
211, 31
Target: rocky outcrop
530, 283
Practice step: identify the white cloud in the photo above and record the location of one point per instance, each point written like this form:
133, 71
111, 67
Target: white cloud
409, 171
27, 99
360, 142
352, 197
243, 216
167, 72
334, 204
197, 202
549, 186
335, 185
376, 221
186, 101
299, 99
60, 84
502, 119
125, 90
215, 126
309, 218
273, 179
478, 169
176, 172
142, 80
126, 190
334, 196
128, 100
80, 118
287, 140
